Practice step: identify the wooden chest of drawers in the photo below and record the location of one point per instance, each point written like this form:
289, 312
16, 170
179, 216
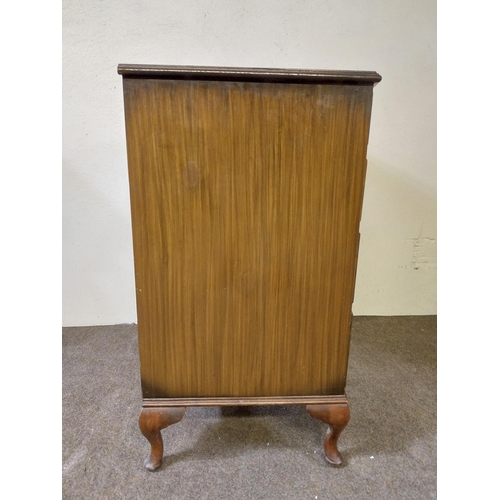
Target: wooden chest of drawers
246, 191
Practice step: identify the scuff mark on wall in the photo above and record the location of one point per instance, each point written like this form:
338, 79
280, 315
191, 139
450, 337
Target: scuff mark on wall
424, 253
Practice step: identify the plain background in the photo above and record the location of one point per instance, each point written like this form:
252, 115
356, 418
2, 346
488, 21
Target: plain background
397, 38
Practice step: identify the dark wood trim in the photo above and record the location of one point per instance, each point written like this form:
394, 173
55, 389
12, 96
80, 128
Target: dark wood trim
254, 401
249, 74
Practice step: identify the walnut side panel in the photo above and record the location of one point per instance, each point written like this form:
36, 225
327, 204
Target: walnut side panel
246, 201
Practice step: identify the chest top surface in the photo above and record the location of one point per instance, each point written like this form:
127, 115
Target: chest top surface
249, 74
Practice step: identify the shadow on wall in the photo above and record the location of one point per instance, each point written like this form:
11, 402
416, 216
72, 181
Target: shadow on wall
98, 280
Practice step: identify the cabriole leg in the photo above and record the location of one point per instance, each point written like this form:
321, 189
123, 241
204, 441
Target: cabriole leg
151, 422
336, 416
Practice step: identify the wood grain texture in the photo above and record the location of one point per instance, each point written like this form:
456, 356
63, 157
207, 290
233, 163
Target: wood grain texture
246, 202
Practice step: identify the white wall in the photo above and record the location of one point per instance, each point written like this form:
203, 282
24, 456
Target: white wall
397, 38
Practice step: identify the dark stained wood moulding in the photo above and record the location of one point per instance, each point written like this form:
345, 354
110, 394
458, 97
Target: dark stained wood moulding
249, 74
249, 401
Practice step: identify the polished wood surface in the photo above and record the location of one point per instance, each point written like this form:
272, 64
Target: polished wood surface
246, 202
337, 417
151, 422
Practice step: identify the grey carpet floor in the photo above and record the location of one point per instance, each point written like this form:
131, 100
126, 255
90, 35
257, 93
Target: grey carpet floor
256, 452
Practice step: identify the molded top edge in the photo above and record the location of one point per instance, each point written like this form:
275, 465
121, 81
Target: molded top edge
249, 74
